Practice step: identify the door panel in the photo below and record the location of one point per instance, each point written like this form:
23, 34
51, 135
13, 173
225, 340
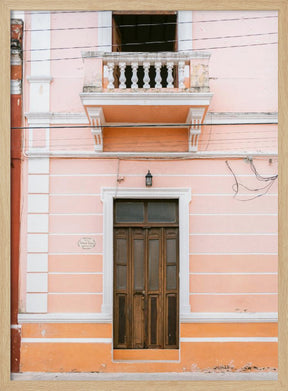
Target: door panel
146, 287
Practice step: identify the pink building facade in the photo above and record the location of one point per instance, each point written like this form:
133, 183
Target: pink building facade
118, 276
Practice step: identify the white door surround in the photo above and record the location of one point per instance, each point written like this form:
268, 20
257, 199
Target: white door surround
107, 197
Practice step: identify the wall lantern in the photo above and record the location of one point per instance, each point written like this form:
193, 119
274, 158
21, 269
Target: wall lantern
148, 178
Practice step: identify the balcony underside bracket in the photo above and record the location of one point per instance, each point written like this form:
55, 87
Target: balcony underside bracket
195, 118
97, 120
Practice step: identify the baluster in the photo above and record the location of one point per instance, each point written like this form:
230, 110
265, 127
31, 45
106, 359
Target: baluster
146, 78
181, 65
170, 75
110, 75
158, 78
122, 78
134, 78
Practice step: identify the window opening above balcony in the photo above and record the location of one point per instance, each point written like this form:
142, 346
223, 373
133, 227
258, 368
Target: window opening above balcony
139, 32
155, 32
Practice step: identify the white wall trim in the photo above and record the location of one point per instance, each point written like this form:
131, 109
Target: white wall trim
38, 203
104, 32
184, 197
145, 98
37, 262
229, 339
57, 118
241, 117
66, 340
166, 155
39, 79
36, 282
38, 166
185, 32
210, 118
37, 243
38, 223
38, 183
65, 318
209, 317
230, 317
36, 302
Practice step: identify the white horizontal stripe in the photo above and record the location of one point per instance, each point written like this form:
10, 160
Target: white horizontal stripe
194, 194
191, 317
229, 317
233, 234
76, 273
76, 214
231, 195
74, 194
232, 294
66, 340
80, 253
75, 293
233, 214
179, 155
244, 254
234, 274
230, 339
158, 175
66, 318
77, 234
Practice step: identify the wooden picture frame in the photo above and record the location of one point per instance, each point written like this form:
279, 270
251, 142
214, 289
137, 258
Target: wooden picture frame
8, 5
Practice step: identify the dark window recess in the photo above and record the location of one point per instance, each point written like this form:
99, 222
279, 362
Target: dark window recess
145, 33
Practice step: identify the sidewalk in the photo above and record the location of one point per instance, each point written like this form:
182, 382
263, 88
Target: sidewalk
186, 376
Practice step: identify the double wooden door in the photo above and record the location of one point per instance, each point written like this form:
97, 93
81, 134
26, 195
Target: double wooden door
146, 287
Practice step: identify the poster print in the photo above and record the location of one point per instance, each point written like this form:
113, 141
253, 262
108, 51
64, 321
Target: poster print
171, 276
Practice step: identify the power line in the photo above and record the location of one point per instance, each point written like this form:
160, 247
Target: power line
154, 42
236, 186
152, 24
152, 125
186, 51
166, 137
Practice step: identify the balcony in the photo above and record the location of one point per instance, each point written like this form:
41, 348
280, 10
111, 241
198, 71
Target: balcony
143, 88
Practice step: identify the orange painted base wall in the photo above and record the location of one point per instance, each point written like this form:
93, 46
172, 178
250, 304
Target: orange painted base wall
68, 356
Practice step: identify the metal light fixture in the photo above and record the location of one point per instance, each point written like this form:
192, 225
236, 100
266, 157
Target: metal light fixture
148, 179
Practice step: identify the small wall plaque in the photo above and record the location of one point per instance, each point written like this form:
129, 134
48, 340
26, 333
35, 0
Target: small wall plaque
86, 243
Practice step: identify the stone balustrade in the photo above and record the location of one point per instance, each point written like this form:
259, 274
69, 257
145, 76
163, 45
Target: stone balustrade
151, 72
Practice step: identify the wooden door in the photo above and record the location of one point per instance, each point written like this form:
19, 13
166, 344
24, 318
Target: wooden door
146, 285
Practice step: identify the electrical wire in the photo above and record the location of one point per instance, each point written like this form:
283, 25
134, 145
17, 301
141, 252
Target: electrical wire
152, 24
150, 125
124, 144
237, 185
153, 42
173, 140
186, 51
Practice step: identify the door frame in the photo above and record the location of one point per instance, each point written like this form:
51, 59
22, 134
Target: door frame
107, 197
